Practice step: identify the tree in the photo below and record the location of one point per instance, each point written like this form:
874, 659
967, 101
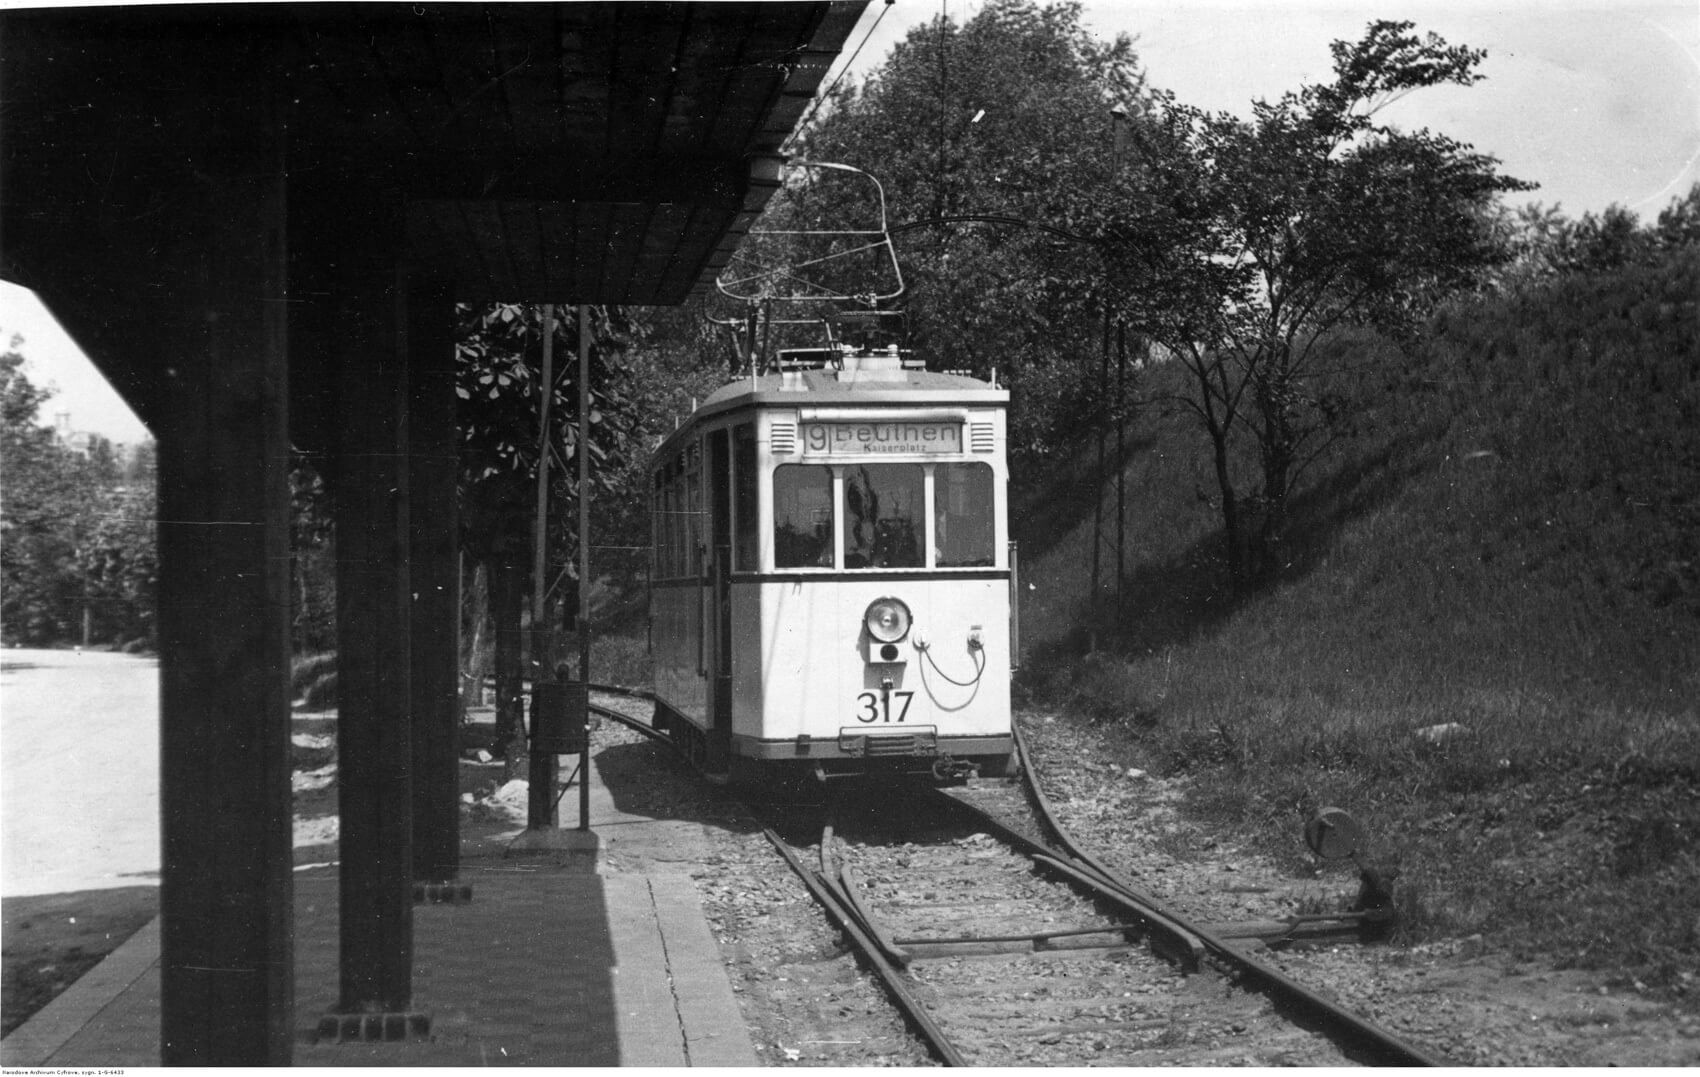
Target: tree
37, 543
993, 140
675, 357
1242, 244
1678, 225
117, 557
1546, 244
312, 559
499, 374
77, 530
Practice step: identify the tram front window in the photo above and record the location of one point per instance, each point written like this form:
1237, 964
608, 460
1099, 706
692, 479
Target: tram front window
802, 516
884, 506
964, 534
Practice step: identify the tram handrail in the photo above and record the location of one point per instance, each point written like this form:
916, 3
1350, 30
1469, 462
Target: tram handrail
1014, 606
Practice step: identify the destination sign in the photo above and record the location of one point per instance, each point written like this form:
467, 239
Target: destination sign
880, 438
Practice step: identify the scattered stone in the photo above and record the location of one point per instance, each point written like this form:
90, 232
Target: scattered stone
1442, 733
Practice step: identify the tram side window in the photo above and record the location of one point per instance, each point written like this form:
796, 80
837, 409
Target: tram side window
744, 513
802, 516
676, 494
658, 525
670, 525
681, 527
690, 526
964, 533
884, 506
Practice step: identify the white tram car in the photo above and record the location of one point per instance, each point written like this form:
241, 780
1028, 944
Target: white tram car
832, 584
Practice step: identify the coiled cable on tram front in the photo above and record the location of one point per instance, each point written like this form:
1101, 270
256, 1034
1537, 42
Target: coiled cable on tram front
979, 664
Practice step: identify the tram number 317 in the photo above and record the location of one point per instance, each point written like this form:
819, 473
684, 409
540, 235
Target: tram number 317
875, 707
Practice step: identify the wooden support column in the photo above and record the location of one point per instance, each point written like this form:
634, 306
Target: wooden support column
434, 518
219, 281
374, 696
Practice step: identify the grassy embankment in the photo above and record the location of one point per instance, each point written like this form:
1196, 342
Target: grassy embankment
1509, 549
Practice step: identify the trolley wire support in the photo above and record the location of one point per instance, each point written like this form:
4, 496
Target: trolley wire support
804, 269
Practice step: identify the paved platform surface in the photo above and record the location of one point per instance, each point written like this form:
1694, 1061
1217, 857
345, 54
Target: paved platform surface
556, 961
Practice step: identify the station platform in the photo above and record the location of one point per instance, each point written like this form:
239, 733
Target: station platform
562, 957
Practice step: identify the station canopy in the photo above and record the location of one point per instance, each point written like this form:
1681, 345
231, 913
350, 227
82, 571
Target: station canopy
574, 152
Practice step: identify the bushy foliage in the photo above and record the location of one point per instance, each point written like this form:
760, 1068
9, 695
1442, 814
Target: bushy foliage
646, 365
1545, 244
993, 140
499, 356
118, 561
77, 543
675, 358
1584, 393
312, 559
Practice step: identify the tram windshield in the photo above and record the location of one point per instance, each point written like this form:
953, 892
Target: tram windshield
881, 516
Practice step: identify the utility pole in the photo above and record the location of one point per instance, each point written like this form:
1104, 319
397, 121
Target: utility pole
559, 706
584, 554
1096, 594
540, 802
1118, 141
1119, 136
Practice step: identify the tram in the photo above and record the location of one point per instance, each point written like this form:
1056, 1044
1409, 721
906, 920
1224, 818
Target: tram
833, 580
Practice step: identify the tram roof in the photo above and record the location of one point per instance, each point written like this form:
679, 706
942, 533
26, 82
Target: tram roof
786, 387
818, 388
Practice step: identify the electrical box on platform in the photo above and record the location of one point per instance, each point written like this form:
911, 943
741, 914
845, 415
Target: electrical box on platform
560, 714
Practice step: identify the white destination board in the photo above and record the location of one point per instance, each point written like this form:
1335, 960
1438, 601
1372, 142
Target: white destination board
880, 438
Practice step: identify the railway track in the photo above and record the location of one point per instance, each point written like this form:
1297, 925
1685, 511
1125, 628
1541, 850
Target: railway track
1003, 943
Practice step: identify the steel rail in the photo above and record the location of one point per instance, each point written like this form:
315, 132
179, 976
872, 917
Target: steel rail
622, 690
825, 887
1163, 932
870, 952
850, 886
838, 876
1036, 936
629, 722
1168, 931
1379, 1045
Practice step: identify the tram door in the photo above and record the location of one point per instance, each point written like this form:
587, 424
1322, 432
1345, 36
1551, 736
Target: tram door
720, 603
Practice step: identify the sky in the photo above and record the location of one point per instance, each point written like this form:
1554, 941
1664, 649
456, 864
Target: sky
53, 360
1597, 102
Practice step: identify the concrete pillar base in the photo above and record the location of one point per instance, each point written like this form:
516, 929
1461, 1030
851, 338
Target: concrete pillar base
580, 847
373, 1027
441, 893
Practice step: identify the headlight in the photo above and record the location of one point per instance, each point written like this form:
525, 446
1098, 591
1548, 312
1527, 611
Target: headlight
888, 620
